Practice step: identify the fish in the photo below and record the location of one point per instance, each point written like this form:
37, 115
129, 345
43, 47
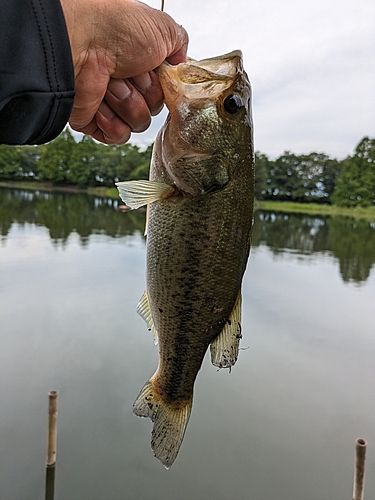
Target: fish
199, 199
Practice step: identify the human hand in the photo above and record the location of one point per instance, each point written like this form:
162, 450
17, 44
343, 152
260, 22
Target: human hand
116, 44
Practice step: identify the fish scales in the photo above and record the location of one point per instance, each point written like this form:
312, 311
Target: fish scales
192, 288
200, 208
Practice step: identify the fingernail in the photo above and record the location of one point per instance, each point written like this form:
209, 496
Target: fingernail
119, 88
143, 81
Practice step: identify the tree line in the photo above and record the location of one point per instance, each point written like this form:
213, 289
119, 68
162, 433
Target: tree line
66, 162
313, 177
317, 178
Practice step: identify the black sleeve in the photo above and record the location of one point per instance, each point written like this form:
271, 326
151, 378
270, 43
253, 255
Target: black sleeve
36, 71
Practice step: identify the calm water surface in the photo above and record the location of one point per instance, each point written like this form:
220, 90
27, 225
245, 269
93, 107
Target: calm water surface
281, 426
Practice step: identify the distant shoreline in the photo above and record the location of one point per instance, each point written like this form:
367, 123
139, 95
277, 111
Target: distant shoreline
104, 192
269, 206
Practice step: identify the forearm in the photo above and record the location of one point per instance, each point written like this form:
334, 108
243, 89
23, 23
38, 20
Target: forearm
36, 71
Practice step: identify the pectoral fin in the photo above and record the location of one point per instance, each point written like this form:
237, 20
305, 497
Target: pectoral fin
135, 194
225, 347
144, 310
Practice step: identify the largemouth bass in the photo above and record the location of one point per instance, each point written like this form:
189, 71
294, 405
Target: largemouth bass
200, 211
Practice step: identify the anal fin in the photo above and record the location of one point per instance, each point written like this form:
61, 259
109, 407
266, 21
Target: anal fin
144, 310
225, 347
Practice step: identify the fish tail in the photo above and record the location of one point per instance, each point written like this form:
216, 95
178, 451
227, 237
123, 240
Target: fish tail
170, 422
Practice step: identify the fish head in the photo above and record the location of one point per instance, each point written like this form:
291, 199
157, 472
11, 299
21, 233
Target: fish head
209, 103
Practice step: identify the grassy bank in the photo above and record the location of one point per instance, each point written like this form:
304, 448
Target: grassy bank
315, 209
104, 191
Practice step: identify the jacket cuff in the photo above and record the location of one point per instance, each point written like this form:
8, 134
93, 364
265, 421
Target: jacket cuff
36, 71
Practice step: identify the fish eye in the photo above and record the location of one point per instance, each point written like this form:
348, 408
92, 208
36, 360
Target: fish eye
232, 104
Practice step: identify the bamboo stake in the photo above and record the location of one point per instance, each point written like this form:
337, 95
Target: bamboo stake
359, 469
52, 428
50, 482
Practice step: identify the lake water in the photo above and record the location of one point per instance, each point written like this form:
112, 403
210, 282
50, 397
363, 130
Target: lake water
281, 425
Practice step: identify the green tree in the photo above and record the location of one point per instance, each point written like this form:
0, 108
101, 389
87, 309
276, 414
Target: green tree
108, 158
286, 180
318, 173
55, 159
331, 168
356, 183
142, 171
84, 163
18, 162
301, 178
132, 159
119, 163
10, 162
262, 168
29, 157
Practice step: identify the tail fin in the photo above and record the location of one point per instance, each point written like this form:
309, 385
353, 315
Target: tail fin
170, 423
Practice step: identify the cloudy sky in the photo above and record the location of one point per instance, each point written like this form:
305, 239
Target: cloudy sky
311, 64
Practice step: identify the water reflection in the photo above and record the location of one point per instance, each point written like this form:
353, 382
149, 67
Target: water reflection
65, 213
351, 241
285, 232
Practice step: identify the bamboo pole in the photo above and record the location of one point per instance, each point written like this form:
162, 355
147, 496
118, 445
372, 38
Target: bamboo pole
51, 445
52, 428
50, 482
359, 469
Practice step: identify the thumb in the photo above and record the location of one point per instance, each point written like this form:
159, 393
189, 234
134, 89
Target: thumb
178, 57
151, 37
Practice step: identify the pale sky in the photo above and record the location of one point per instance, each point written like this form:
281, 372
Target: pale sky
311, 64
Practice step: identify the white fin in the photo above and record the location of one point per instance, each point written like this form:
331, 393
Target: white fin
144, 310
225, 348
135, 194
169, 423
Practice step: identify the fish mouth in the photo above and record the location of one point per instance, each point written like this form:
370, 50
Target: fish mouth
227, 64
207, 78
